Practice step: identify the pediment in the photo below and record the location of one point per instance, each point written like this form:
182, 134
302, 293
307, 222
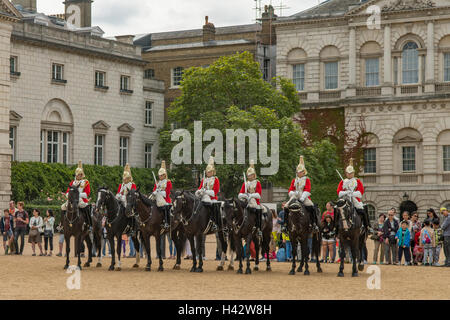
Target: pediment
126, 128
399, 5
101, 125
7, 9
14, 116
408, 139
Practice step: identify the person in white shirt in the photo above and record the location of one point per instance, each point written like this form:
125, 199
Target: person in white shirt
36, 227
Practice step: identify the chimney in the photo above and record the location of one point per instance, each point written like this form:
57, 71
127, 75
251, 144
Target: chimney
125, 39
79, 12
28, 5
268, 36
209, 31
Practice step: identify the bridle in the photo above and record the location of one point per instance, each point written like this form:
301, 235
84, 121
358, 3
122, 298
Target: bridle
69, 205
234, 219
141, 223
183, 203
108, 196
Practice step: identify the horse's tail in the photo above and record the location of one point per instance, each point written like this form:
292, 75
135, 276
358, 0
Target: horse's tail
232, 244
180, 238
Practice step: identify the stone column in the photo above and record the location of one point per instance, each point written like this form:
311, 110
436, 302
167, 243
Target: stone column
429, 66
351, 89
5, 149
387, 88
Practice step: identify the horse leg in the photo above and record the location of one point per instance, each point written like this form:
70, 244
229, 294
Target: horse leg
178, 245
355, 254
89, 246
240, 254
266, 245
67, 239
294, 255
305, 255
257, 248
200, 253
247, 252
316, 249
223, 253
78, 240
136, 247
194, 254
99, 251
361, 249
341, 257
119, 252
113, 252
158, 251
148, 267
302, 261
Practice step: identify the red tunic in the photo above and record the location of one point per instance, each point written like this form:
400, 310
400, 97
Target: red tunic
133, 187
86, 189
168, 189
258, 189
306, 188
359, 187
216, 188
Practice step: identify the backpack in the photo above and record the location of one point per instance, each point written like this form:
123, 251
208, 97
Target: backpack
281, 255
426, 237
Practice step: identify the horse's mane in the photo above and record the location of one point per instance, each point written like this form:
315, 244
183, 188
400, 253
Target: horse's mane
189, 195
145, 200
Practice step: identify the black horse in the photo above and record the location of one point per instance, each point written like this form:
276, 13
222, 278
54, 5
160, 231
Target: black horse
195, 218
350, 234
149, 223
116, 224
243, 222
75, 225
97, 231
299, 228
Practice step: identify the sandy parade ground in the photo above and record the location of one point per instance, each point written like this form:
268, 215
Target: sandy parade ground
37, 277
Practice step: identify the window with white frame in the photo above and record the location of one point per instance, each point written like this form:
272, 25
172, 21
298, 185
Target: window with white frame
13, 64
100, 79
148, 155
370, 160
446, 157
12, 141
42, 146
57, 71
410, 63
447, 67
331, 75
372, 72
125, 83
65, 148
177, 75
98, 149
149, 74
148, 113
52, 146
372, 212
123, 151
409, 159
298, 76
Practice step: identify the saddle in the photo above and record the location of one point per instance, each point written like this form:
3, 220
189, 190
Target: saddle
295, 206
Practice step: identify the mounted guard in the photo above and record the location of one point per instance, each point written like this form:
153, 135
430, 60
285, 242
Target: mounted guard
161, 194
124, 188
207, 192
300, 190
353, 188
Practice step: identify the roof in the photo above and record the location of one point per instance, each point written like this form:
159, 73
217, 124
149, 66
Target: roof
198, 45
328, 8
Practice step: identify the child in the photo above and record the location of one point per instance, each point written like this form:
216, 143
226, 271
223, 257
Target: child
328, 238
418, 249
426, 241
403, 237
288, 246
6, 226
437, 244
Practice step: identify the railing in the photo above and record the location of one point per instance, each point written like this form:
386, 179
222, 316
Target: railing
409, 89
409, 179
368, 91
325, 95
442, 87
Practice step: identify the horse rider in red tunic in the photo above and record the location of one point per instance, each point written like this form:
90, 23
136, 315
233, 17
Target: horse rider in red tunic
353, 188
84, 190
300, 190
124, 188
251, 193
207, 192
161, 193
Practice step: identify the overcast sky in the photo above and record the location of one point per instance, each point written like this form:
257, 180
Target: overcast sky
119, 17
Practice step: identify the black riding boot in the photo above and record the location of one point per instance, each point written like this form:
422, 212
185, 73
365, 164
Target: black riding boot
365, 219
259, 221
312, 217
286, 220
213, 217
167, 217
218, 215
87, 215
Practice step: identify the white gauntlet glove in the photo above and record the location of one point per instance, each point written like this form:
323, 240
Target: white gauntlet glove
357, 194
83, 195
255, 195
210, 193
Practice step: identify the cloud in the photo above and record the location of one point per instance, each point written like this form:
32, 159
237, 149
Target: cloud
118, 17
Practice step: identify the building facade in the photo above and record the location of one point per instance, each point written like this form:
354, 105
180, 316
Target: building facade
74, 95
169, 53
390, 70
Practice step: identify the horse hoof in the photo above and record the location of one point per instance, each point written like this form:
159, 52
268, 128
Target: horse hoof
135, 265
256, 268
192, 269
160, 269
87, 265
240, 271
354, 274
292, 273
340, 274
199, 270
230, 268
361, 267
306, 273
148, 269
119, 269
99, 265
176, 267
300, 269
66, 267
269, 269
319, 270
248, 271
219, 268
111, 268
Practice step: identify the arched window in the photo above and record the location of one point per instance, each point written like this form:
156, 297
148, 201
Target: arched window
410, 63
372, 212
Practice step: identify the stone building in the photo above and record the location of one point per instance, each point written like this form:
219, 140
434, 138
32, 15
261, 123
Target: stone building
386, 62
74, 95
169, 53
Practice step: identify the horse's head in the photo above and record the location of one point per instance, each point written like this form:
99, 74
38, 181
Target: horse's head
343, 210
73, 197
233, 209
131, 201
183, 202
102, 196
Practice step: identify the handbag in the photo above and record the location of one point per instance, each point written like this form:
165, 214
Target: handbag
33, 232
374, 237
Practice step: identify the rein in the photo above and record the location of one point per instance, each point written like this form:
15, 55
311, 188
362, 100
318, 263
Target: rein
138, 218
116, 214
